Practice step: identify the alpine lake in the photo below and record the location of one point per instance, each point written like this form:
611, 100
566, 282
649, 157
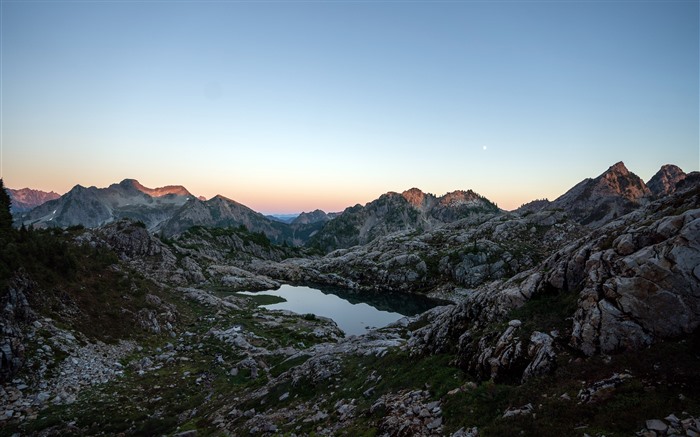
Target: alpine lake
355, 312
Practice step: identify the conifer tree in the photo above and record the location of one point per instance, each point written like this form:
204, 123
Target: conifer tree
5, 214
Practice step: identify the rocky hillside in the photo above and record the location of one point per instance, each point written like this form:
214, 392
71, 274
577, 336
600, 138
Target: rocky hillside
596, 201
220, 212
200, 256
623, 287
392, 212
465, 253
26, 198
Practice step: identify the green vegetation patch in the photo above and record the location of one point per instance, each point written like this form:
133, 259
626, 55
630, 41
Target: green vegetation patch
261, 299
83, 287
545, 312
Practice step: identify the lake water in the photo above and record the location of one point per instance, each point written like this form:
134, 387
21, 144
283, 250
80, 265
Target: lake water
354, 312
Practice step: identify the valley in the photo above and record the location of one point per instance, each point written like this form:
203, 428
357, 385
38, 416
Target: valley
129, 310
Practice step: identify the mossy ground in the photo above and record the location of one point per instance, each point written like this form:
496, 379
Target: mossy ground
185, 393
658, 387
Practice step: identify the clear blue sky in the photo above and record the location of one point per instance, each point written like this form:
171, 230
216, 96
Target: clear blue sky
291, 106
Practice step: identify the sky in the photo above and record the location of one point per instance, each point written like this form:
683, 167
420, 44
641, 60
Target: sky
289, 106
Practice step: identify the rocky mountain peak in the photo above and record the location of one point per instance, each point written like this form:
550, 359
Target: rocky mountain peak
130, 186
665, 180
414, 196
615, 192
619, 181
221, 199
177, 190
459, 197
619, 168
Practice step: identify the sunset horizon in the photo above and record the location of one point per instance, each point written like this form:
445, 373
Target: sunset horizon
286, 107
256, 202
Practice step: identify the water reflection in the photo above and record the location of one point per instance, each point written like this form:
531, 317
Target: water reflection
353, 311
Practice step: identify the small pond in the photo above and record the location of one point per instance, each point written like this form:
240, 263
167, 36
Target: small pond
355, 312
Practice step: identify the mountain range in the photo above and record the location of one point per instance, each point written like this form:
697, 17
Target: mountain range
26, 199
614, 193
92, 207
171, 210
392, 212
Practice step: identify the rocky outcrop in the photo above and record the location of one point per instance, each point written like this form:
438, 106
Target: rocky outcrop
672, 425
409, 413
131, 240
490, 361
197, 257
16, 315
507, 356
142, 251
600, 389
234, 278
637, 278
464, 329
541, 355
646, 286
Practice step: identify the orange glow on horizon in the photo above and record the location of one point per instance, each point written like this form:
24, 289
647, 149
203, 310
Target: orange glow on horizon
269, 200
